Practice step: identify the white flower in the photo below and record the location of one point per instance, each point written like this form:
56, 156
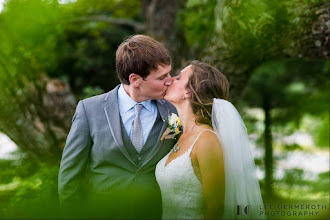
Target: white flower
174, 127
172, 119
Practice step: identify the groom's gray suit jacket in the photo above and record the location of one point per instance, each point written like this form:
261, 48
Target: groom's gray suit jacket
121, 181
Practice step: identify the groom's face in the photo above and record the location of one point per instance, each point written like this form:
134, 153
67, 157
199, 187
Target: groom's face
155, 85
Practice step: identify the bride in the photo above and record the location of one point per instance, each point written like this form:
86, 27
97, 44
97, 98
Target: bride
210, 172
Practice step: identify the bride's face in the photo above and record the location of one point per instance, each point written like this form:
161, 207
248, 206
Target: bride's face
177, 90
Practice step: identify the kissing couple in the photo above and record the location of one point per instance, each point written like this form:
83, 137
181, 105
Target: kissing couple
121, 160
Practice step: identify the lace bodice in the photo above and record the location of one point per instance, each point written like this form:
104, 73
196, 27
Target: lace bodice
182, 196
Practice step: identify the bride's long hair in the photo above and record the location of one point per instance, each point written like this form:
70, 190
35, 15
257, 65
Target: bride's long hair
205, 83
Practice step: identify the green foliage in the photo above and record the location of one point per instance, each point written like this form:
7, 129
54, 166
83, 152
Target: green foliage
37, 31
292, 88
285, 89
256, 31
249, 23
36, 196
318, 126
322, 183
198, 22
120, 9
249, 33
88, 58
324, 175
294, 186
49, 41
87, 53
27, 41
48, 35
293, 176
321, 133
246, 33
19, 169
292, 147
92, 91
32, 190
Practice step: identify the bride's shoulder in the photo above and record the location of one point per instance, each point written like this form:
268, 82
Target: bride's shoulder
207, 142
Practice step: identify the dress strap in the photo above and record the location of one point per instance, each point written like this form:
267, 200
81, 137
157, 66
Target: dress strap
193, 144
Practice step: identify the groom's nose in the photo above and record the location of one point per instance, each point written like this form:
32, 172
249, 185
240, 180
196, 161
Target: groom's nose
169, 81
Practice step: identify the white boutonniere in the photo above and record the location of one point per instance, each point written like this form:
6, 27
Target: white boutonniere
174, 127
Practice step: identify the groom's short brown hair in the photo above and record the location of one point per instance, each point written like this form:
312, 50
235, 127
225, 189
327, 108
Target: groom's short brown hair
140, 54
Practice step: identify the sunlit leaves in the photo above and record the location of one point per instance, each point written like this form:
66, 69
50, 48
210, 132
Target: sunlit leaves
198, 22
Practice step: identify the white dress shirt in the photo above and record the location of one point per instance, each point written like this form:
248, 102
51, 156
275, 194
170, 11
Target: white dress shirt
148, 113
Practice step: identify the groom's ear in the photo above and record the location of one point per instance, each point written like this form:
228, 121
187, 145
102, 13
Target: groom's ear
134, 79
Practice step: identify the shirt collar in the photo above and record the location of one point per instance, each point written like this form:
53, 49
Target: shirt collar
127, 102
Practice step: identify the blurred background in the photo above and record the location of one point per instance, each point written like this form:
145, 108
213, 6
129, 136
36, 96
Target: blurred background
275, 54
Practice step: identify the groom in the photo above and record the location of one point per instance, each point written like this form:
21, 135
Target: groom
114, 141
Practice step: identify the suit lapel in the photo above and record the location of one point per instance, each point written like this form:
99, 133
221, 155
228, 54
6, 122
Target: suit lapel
113, 118
164, 112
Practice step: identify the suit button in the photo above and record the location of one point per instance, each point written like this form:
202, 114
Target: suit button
139, 158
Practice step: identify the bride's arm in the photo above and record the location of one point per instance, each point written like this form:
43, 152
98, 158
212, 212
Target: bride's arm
210, 159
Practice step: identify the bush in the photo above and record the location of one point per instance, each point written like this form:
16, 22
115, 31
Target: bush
35, 197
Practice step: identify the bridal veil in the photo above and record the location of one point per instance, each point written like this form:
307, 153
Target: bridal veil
242, 191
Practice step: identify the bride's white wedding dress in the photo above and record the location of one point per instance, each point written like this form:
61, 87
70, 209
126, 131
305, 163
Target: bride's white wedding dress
182, 196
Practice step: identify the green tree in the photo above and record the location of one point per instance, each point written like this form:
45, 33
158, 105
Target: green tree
87, 53
51, 46
26, 113
42, 43
286, 90
247, 33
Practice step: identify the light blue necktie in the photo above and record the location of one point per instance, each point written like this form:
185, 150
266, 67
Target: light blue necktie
137, 133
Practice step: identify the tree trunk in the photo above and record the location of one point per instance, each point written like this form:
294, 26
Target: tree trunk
37, 115
268, 149
160, 19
